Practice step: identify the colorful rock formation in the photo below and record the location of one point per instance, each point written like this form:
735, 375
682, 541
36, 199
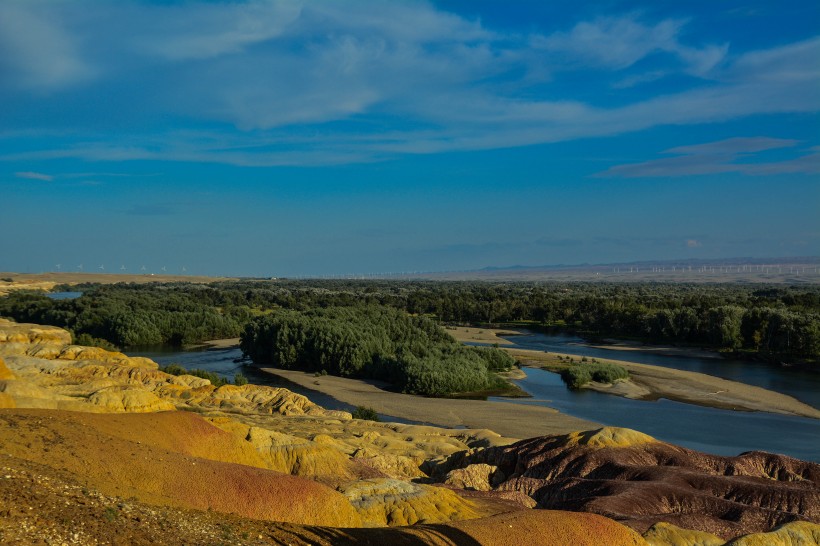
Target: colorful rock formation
639, 481
266, 453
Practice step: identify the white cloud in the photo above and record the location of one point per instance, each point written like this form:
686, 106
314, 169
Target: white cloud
289, 81
620, 42
210, 30
35, 51
731, 155
34, 176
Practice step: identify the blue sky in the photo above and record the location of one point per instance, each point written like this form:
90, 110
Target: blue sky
326, 138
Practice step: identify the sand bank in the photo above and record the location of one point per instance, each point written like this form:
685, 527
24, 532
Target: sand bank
646, 382
228, 343
481, 335
689, 352
506, 418
652, 382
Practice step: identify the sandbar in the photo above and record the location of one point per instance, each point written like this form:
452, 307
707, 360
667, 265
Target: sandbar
649, 382
508, 419
481, 335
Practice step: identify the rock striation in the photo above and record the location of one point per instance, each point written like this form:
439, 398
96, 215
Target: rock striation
277, 429
639, 481
268, 454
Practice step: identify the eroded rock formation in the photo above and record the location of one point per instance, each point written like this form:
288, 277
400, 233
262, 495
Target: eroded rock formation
637, 480
267, 453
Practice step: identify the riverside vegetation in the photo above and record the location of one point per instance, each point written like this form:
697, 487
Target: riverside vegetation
411, 353
576, 375
776, 323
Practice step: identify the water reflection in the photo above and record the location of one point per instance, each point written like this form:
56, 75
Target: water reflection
722, 432
801, 384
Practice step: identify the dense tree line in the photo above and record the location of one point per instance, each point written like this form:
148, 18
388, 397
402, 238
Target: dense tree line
127, 316
412, 353
775, 322
779, 323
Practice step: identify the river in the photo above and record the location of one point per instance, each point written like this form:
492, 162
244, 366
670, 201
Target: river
722, 432
801, 384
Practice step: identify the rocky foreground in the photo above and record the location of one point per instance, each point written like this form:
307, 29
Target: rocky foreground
100, 448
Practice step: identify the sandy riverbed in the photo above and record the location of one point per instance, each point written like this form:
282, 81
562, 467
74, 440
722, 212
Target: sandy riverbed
481, 335
522, 421
505, 418
652, 382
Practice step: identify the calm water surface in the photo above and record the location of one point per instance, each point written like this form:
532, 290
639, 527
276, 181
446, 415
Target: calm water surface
717, 431
64, 295
228, 362
801, 384
721, 432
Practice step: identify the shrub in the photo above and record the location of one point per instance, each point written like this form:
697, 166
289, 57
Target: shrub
366, 413
577, 376
87, 340
176, 369
173, 369
239, 379
608, 373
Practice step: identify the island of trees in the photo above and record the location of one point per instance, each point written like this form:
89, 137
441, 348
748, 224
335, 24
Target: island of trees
411, 353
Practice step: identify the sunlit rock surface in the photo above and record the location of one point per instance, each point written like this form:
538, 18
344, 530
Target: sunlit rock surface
274, 455
798, 533
632, 478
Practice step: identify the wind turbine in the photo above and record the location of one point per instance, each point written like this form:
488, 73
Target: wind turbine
122, 267
80, 267
102, 267
58, 266
142, 268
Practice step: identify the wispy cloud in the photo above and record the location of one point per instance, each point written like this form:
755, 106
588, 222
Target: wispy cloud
724, 156
315, 83
34, 176
619, 42
38, 53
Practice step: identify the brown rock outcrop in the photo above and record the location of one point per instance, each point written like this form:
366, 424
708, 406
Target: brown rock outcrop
634, 479
478, 477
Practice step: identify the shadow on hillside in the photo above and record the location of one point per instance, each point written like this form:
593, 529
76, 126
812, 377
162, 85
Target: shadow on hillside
424, 535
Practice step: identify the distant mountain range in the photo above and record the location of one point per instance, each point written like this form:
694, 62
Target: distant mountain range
740, 269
